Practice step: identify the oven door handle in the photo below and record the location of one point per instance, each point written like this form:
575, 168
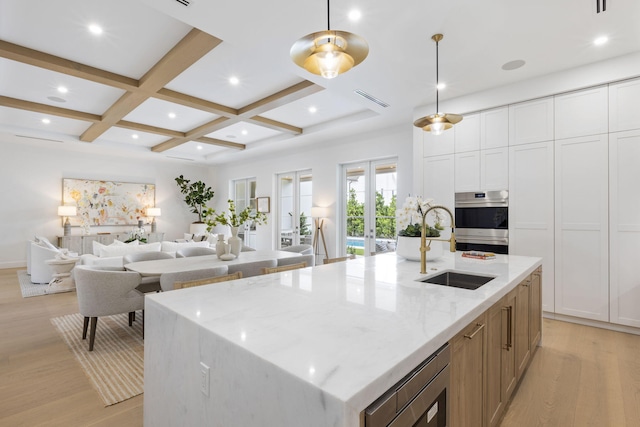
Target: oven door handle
488, 241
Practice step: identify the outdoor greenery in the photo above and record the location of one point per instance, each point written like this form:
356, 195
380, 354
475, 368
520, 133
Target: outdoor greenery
385, 216
304, 226
196, 195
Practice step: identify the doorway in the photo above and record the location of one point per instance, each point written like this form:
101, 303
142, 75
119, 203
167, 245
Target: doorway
295, 190
369, 194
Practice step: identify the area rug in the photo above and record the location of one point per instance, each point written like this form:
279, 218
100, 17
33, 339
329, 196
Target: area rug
115, 366
29, 289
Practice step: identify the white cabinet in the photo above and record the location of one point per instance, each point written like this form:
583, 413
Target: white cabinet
531, 212
494, 169
467, 171
582, 223
494, 128
531, 121
467, 134
581, 113
482, 170
624, 104
438, 179
436, 145
624, 176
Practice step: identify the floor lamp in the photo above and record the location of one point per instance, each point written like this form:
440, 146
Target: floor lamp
319, 214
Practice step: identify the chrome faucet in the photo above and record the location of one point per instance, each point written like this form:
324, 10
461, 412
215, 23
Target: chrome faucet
423, 237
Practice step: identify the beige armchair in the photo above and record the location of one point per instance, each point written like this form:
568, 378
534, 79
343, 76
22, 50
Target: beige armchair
105, 293
148, 283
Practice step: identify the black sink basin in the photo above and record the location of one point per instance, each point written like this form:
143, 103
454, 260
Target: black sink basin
458, 280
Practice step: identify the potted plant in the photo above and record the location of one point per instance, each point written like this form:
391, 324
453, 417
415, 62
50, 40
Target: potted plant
234, 220
409, 220
196, 196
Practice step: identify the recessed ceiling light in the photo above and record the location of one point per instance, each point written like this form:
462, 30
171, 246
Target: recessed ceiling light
95, 29
234, 80
46, 121
199, 147
513, 65
172, 115
601, 40
355, 15
62, 89
56, 99
245, 132
312, 109
134, 136
441, 86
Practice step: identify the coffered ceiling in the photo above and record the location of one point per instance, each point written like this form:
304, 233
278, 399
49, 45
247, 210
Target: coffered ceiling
156, 81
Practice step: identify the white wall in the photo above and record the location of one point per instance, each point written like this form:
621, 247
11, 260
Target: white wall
31, 191
324, 160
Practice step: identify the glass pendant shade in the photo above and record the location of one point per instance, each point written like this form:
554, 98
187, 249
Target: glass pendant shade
438, 122
329, 53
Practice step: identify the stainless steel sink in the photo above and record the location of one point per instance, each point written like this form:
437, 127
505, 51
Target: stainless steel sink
458, 280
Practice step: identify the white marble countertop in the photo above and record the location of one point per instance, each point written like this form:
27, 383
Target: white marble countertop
346, 331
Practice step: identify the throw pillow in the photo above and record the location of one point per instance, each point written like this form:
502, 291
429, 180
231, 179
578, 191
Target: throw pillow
174, 246
97, 246
118, 250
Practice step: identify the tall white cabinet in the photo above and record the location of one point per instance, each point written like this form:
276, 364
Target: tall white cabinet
531, 213
582, 223
624, 196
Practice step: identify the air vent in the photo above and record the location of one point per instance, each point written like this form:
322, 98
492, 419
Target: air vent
39, 139
371, 98
601, 5
179, 158
185, 3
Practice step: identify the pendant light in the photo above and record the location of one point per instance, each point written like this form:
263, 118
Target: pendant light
438, 122
329, 53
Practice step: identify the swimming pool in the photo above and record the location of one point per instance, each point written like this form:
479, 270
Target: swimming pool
355, 242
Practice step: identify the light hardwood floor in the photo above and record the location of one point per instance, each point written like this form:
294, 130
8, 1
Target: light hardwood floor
581, 376
41, 384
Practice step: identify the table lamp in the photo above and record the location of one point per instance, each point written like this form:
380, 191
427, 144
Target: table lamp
319, 213
67, 211
153, 213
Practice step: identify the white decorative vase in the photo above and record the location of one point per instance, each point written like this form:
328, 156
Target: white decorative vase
409, 249
198, 228
235, 242
220, 245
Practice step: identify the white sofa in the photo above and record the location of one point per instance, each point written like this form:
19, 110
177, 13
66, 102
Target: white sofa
111, 255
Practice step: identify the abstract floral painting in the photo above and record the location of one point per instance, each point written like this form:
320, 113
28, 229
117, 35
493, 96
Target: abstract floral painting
107, 202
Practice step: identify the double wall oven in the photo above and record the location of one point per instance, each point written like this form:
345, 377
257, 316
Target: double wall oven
482, 221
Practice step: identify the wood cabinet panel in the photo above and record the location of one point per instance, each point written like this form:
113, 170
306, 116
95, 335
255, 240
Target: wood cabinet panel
535, 310
467, 375
522, 318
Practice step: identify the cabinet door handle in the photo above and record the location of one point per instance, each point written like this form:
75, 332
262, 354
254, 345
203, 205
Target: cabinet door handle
509, 311
527, 283
478, 328
510, 328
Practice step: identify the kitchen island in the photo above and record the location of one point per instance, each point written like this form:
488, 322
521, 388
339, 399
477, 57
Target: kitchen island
310, 347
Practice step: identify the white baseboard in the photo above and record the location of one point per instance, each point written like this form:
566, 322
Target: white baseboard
594, 323
13, 264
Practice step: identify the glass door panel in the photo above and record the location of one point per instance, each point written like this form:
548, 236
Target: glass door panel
295, 190
370, 204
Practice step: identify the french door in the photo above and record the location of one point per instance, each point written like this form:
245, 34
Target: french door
295, 191
369, 193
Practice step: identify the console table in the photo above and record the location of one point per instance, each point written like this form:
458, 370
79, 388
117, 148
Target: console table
84, 244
